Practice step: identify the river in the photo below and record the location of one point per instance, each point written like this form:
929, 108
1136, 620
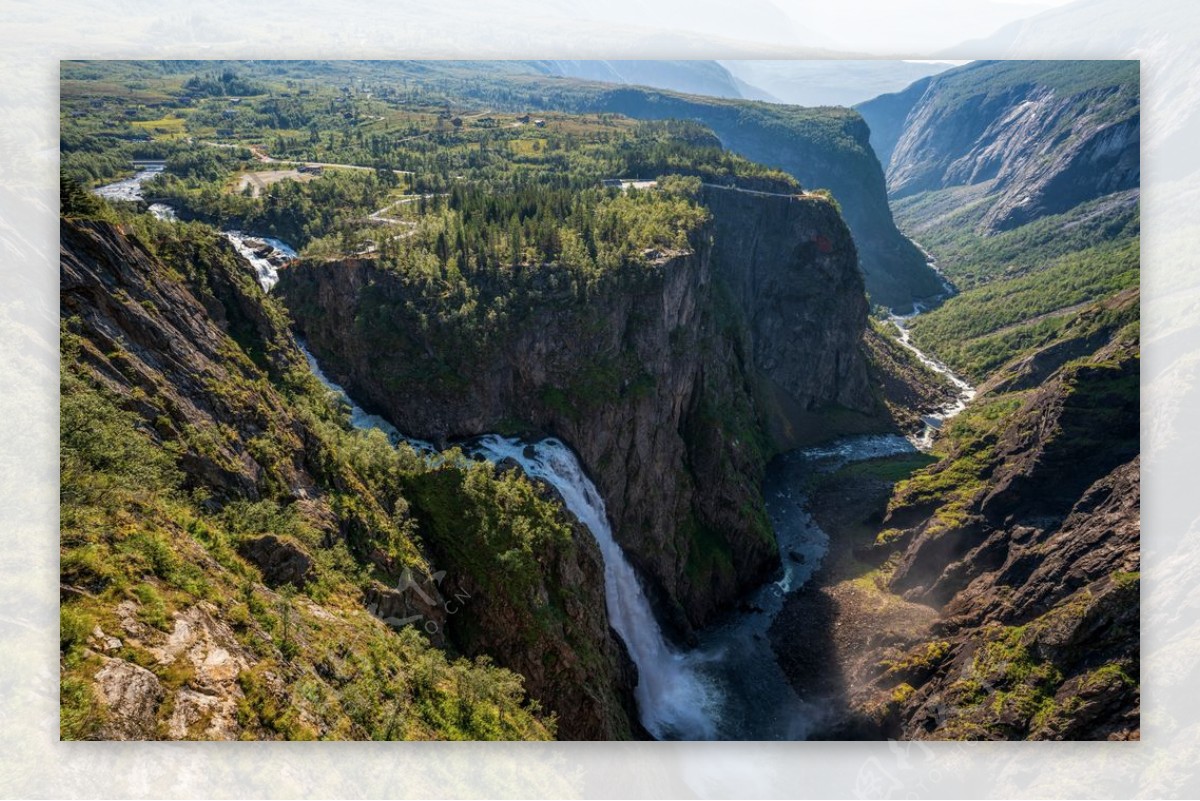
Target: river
729, 686
966, 392
265, 254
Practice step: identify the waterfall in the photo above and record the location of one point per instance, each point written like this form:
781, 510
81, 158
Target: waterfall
674, 700
264, 265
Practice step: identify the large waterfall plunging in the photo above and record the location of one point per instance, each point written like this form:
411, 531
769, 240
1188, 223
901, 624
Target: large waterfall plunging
674, 699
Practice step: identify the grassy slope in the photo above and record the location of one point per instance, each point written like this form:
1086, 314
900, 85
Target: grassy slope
1064, 77
130, 532
1025, 288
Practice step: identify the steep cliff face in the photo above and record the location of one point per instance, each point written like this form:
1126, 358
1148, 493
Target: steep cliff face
652, 378
822, 148
783, 262
145, 328
1045, 138
886, 116
226, 536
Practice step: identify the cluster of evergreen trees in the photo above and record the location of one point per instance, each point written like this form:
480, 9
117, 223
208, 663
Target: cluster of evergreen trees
227, 83
590, 230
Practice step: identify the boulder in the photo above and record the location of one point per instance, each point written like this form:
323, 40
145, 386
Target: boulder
281, 561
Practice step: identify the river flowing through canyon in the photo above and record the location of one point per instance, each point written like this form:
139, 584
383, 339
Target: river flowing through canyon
965, 392
729, 685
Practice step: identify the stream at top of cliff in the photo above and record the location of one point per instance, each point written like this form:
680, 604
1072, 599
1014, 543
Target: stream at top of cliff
729, 686
264, 253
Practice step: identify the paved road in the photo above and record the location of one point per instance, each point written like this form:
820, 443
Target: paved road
639, 183
758, 192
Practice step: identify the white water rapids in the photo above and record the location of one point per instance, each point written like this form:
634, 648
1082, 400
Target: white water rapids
130, 189
264, 257
264, 253
966, 392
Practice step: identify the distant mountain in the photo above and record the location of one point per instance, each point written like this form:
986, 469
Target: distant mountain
831, 82
1038, 137
1118, 29
690, 77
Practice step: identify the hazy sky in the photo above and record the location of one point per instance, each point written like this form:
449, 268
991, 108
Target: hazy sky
912, 27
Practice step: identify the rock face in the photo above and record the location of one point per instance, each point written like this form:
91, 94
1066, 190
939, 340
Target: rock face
822, 148
804, 310
130, 695
1045, 139
654, 380
136, 705
1044, 644
886, 116
281, 562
